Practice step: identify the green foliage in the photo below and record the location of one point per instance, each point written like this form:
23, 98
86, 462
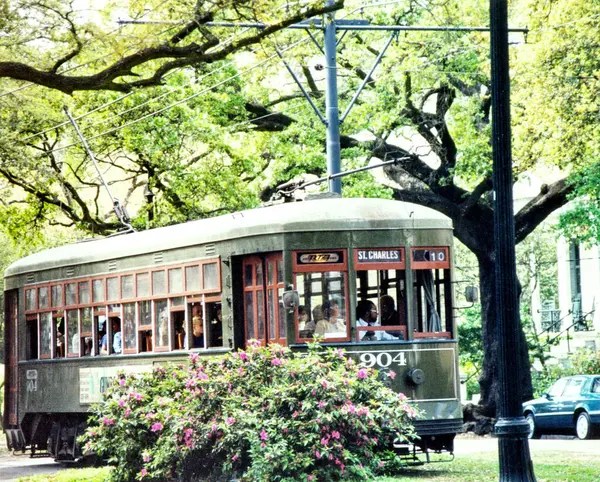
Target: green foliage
581, 362
263, 414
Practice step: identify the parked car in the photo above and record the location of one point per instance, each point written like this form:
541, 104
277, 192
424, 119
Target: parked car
572, 404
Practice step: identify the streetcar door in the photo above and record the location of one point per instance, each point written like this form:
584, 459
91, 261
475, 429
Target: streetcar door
264, 317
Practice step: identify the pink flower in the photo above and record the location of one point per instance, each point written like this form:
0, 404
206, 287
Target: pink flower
146, 457
277, 361
121, 403
127, 412
340, 353
263, 435
193, 357
335, 434
362, 374
122, 382
214, 427
241, 371
391, 374
263, 445
321, 404
230, 420
310, 477
108, 421
317, 454
325, 441
401, 396
243, 356
157, 427
143, 473
324, 383
234, 458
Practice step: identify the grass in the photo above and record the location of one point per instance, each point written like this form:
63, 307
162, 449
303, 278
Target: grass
479, 467
483, 467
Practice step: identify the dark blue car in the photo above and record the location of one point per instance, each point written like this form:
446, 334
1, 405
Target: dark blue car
572, 404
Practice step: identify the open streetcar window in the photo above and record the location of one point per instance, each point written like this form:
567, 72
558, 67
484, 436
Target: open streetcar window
431, 292
86, 336
320, 277
73, 340
381, 294
31, 337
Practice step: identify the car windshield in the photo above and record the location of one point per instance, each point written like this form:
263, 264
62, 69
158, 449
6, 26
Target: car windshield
573, 388
596, 386
557, 389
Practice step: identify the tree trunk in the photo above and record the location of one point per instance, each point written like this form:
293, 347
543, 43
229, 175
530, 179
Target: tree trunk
488, 379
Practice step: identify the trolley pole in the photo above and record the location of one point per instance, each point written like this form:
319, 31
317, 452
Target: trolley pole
331, 101
511, 428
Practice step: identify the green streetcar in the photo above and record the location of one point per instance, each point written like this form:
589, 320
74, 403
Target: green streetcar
77, 314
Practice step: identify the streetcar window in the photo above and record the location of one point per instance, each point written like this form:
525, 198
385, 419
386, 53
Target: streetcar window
86, 336
145, 308
197, 339
129, 329
162, 324
210, 274
433, 313
127, 287
84, 293
46, 335
98, 290
386, 290
175, 280
192, 278
73, 340
324, 294
100, 323
43, 297
143, 284
112, 289
177, 324
60, 342
71, 295
30, 299
158, 283
32, 339
56, 295
215, 324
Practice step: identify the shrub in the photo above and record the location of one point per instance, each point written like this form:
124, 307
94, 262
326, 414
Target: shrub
264, 414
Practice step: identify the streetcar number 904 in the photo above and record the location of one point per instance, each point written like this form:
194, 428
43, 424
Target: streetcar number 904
382, 359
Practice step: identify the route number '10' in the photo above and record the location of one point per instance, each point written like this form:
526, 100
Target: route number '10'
382, 359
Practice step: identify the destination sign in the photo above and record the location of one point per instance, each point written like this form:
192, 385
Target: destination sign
320, 258
379, 255
373, 258
430, 257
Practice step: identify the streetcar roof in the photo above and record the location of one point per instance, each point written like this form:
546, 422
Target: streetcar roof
331, 214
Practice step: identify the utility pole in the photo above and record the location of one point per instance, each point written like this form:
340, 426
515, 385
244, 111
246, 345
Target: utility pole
331, 102
511, 428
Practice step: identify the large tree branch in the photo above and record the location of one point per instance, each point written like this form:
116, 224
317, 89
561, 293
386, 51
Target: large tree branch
550, 198
191, 54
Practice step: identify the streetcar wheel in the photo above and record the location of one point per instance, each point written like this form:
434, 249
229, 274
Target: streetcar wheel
583, 426
533, 432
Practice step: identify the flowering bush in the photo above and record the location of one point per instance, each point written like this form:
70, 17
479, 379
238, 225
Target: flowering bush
264, 414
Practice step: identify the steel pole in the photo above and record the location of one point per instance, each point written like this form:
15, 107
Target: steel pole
511, 428
331, 103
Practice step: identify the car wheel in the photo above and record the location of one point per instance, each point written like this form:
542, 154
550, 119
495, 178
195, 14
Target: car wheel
583, 426
533, 432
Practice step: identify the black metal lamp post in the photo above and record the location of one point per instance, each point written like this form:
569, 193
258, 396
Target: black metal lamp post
511, 428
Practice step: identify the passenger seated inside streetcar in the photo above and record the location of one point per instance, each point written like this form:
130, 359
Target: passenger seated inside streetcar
366, 315
390, 316
117, 339
331, 325
306, 327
